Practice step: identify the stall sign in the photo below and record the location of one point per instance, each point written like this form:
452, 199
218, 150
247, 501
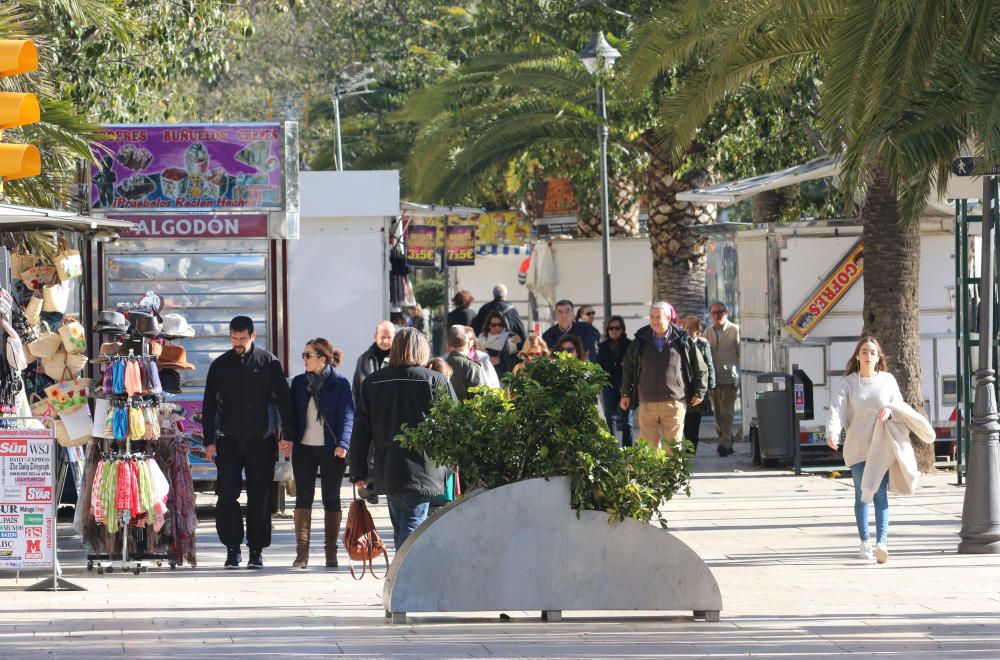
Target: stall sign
421, 242
218, 225
460, 245
170, 167
496, 228
831, 289
27, 523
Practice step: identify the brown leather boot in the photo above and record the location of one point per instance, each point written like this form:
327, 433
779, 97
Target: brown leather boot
303, 525
331, 530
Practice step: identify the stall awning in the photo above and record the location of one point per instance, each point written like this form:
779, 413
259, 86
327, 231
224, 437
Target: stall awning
736, 191
28, 218
415, 209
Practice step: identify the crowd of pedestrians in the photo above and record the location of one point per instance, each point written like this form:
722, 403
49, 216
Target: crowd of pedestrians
658, 384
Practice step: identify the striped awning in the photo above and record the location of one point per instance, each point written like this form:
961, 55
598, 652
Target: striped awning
503, 249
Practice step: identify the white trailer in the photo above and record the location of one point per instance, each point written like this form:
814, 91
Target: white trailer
781, 264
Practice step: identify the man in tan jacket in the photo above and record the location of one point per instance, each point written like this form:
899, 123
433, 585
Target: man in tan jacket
724, 338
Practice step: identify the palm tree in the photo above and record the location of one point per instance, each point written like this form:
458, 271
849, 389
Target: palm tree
64, 134
905, 86
499, 107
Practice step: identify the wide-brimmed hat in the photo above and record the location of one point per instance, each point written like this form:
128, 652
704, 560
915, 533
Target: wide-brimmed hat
174, 357
110, 321
107, 350
145, 324
170, 381
176, 326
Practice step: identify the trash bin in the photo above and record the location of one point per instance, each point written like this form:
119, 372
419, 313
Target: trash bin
774, 424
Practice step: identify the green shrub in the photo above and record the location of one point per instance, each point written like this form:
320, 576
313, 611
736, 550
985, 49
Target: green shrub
548, 424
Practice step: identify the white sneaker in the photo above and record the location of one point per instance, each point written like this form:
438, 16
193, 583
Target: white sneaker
881, 553
865, 551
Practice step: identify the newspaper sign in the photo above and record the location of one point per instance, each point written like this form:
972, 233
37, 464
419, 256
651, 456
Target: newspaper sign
830, 290
27, 482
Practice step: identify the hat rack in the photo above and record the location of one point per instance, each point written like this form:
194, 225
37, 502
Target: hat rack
138, 560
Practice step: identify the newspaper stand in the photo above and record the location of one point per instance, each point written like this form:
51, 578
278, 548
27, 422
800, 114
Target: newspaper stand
35, 491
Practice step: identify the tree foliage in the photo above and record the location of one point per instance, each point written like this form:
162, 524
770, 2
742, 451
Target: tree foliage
548, 424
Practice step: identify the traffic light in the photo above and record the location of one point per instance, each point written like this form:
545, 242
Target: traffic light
18, 161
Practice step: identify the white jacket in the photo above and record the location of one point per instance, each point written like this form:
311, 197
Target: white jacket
891, 451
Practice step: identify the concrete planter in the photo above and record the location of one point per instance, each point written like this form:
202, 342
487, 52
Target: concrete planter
521, 547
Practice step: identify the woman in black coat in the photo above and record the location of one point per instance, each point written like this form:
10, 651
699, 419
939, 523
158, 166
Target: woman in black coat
610, 354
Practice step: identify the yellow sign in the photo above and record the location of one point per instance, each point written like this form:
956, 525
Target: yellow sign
494, 228
833, 287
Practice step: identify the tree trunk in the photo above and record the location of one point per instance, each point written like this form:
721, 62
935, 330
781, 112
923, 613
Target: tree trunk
892, 303
678, 252
623, 209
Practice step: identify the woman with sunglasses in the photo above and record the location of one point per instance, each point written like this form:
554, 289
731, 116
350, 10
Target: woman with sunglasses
324, 412
610, 354
534, 347
499, 342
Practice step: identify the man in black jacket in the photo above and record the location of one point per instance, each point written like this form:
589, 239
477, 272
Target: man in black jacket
565, 325
500, 304
401, 393
241, 386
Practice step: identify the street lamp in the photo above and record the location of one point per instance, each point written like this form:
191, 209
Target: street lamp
353, 87
980, 531
598, 58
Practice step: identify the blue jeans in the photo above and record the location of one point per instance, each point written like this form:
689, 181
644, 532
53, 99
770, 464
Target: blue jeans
617, 419
407, 511
881, 502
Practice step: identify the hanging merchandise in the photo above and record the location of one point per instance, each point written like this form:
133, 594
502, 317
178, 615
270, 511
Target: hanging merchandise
33, 310
70, 393
78, 424
68, 263
46, 345
25, 330
55, 297
111, 322
102, 408
74, 337
41, 406
61, 362
38, 276
21, 260
13, 348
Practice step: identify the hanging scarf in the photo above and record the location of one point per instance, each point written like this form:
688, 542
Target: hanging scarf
118, 377
314, 385
109, 381
154, 378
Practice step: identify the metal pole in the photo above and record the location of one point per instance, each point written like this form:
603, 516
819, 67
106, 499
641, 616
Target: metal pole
602, 135
980, 532
336, 119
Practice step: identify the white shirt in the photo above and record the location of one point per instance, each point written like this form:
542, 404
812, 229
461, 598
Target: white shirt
313, 436
856, 406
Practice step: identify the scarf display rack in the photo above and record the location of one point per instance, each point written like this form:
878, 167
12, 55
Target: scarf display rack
147, 515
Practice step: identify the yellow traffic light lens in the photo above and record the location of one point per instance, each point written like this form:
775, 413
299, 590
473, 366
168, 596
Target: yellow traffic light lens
17, 56
18, 110
19, 161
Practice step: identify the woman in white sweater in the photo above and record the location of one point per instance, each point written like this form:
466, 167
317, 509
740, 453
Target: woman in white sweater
859, 404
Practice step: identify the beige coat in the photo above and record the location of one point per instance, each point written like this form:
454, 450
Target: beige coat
891, 451
725, 343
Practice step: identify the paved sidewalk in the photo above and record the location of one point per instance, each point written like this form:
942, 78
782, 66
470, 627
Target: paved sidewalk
782, 548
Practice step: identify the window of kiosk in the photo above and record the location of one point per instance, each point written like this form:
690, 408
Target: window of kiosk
207, 281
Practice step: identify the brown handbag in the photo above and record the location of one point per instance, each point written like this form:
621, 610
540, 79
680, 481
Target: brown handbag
361, 540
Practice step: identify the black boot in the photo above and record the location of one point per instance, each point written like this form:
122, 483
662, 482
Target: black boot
233, 557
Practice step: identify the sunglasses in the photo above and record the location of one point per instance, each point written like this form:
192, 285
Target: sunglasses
615, 327
306, 356
496, 325
717, 312
588, 313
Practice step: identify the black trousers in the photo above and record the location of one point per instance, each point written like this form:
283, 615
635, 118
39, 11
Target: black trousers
306, 460
255, 456
692, 427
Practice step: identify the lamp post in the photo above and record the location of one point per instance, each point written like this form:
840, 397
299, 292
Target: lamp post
980, 531
599, 57
353, 87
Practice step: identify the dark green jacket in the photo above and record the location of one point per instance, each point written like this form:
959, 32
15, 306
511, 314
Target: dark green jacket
693, 367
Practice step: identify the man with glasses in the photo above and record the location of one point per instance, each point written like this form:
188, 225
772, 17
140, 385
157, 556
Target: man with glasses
240, 387
724, 339
565, 325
